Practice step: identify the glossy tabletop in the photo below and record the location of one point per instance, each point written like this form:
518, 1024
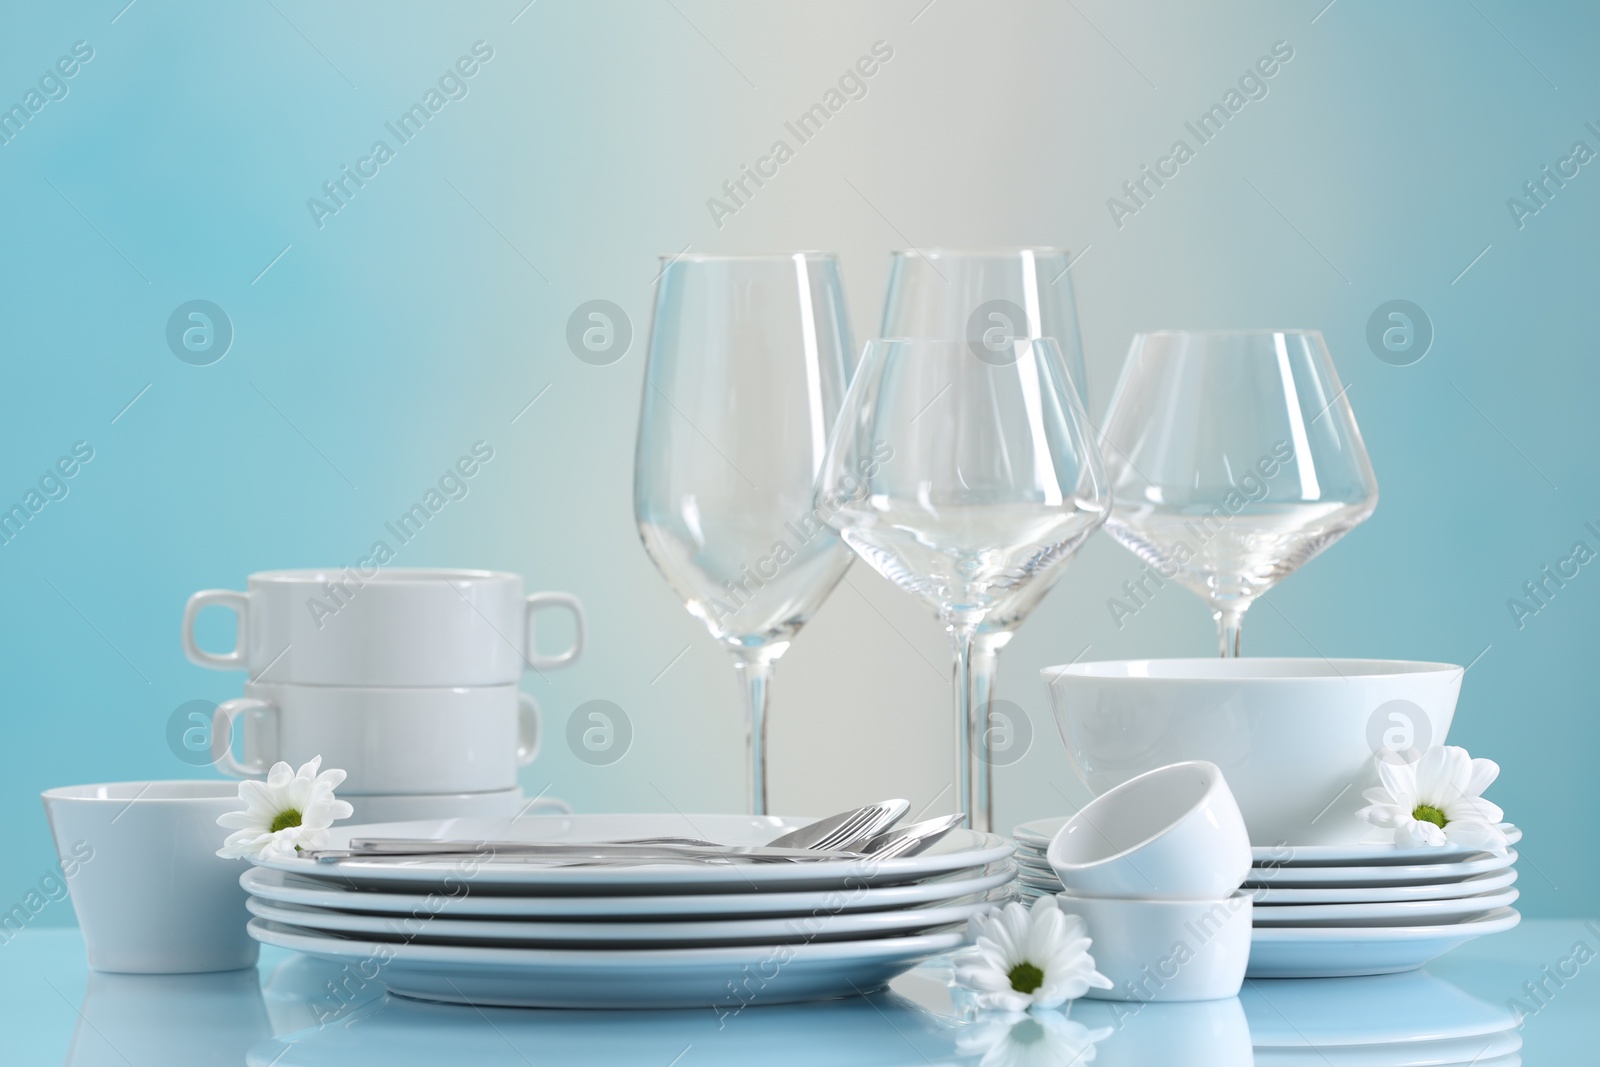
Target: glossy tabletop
1533, 992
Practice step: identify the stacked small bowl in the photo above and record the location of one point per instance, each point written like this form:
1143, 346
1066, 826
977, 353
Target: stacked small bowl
407, 679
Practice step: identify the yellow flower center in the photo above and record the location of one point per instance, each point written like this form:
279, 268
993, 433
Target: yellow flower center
1429, 813
1025, 978
284, 819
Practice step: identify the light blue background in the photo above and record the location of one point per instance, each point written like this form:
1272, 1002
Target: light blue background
430, 311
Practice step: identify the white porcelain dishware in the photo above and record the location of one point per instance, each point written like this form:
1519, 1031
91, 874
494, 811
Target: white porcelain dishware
1369, 854
1383, 874
388, 740
1296, 738
733, 976
1159, 950
444, 927
398, 626
150, 892
1383, 913
458, 901
1173, 833
1489, 881
958, 850
1335, 951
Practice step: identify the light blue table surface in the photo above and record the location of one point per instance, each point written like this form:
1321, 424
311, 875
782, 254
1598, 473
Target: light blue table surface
285, 1012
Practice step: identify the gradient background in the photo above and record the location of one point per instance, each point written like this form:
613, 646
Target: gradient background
370, 353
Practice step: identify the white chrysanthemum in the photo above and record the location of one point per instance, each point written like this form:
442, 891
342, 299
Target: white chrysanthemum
1437, 801
290, 811
1041, 1039
1028, 959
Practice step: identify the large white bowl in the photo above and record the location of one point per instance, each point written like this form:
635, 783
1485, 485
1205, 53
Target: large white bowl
1296, 738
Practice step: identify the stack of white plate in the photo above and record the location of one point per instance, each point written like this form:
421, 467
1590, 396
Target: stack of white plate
1331, 910
515, 932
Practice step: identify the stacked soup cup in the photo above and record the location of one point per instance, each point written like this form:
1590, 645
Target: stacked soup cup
408, 679
1154, 868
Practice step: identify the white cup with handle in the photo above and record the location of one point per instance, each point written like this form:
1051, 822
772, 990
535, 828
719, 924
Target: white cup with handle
388, 740
384, 627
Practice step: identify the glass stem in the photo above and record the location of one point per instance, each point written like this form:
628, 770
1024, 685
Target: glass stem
1230, 623
755, 674
969, 742
981, 665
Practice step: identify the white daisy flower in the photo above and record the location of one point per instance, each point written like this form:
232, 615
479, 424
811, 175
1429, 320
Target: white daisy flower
1437, 801
290, 811
1023, 959
1042, 1039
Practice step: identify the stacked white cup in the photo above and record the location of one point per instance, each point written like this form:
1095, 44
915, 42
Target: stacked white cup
407, 679
1154, 866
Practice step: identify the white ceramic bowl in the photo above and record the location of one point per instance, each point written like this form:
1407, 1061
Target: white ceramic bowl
1296, 738
1173, 833
1159, 950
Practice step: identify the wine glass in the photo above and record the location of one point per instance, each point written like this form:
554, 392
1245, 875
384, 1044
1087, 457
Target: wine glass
747, 368
963, 475
1234, 458
989, 297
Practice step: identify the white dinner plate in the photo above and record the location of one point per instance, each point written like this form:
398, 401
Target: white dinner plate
1395, 913
1037, 835
794, 929
959, 849
621, 978
1388, 874
1373, 855
1333, 951
290, 889
1478, 883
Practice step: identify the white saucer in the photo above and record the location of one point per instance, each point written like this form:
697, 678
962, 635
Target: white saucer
1397, 913
1478, 883
621, 978
1387, 874
958, 850
1331, 951
520, 933
290, 889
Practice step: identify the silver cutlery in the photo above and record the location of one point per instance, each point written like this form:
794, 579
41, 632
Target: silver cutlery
909, 840
842, 829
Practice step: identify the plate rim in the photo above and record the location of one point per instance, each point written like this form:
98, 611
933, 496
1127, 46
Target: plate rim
1494, 922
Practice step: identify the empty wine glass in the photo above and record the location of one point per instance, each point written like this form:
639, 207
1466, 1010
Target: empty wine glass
747, 367
990, 298
1234, 458
963, 475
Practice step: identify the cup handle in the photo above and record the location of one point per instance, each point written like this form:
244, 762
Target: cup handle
536, 659
222, 721
239, 604
527, 729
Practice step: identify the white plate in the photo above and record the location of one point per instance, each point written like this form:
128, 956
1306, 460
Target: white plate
621, 978
1037, 835
959, 849
1478, 883
1369, 854
289, 889
1388, 874
1396, 913
512, 933
1332, 951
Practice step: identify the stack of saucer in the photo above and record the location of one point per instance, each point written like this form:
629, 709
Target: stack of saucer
1330, 910
407, 679
503, 928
